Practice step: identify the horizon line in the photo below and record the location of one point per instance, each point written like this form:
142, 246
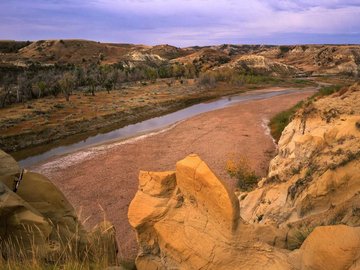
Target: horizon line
201, 46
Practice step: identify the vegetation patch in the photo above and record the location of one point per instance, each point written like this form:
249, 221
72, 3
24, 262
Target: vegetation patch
237, 78
297, 237
282, 119
241, 170
350, 156
63, 254
327, 90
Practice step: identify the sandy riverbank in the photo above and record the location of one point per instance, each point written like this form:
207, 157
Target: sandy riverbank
106, 176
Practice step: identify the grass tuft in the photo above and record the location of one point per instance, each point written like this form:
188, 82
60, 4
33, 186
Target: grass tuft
241, 170
68, 251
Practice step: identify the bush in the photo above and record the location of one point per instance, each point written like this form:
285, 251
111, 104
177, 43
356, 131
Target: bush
297, 236
207, 79
328, 90
243, 173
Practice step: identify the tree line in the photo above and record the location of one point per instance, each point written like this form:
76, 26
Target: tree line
37, 82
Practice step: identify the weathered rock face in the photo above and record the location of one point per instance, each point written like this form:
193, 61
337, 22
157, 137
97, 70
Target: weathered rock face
314, 180
8, 165
258, 64
38, 216
262, 65
318, 59
43, 197
189, 220
331, 247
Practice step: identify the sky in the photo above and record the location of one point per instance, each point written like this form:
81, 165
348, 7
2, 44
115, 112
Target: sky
183, 22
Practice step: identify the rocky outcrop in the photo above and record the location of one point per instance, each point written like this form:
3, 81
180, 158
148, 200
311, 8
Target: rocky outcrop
257, 64
38, 221
314, 180
318, 59
188, 219
331, 247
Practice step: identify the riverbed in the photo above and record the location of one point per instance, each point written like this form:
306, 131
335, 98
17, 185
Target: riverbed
153, 124
102, 179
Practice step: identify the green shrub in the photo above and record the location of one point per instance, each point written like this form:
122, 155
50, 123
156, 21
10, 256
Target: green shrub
328, 90
282, 119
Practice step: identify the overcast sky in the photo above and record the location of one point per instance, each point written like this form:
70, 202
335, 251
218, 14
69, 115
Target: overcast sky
183, 22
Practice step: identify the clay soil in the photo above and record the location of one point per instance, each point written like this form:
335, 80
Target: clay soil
103, 180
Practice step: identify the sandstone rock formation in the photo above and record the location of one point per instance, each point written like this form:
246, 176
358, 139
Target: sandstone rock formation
318, 59
314, 180
331, 247
188, 219
39, 217
258, 64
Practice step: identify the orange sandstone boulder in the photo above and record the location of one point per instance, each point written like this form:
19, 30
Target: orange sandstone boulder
188, 219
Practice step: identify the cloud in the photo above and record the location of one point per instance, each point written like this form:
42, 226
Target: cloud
182, 22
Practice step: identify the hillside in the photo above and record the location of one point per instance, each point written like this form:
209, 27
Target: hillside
314, 179
82, 52
304, 59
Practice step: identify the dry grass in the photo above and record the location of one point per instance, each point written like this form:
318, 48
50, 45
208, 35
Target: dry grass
69, 253
298, 237
51, 111
240, 169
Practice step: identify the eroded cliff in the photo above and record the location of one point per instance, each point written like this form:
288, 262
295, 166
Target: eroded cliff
314, 179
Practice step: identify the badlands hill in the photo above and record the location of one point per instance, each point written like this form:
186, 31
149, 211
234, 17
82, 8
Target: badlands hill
81, 52
299, 60
303, 215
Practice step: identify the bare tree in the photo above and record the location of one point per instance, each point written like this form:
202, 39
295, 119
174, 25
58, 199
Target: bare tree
7, 90
40, 86
7, 87
67, 83
92, 79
